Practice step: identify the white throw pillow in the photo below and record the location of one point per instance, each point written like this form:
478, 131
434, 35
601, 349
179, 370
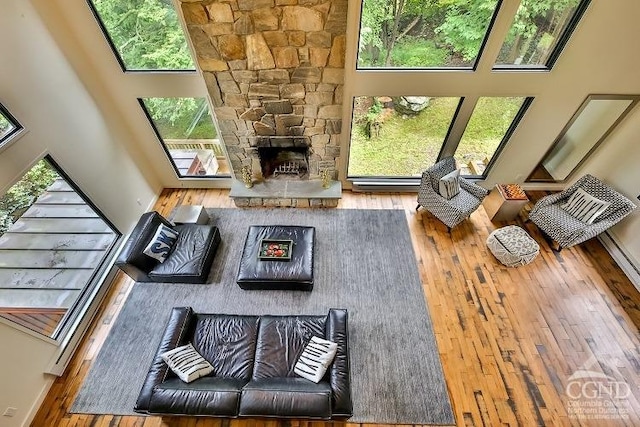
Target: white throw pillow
161, 243
584, 207
449, 185
187, 363
315, 359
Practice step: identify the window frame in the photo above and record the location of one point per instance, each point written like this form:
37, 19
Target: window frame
401, 179
563, 40
7, 139
473, 67
166, 150
65, 327
94, 282
116, 54
446, 147
528, 100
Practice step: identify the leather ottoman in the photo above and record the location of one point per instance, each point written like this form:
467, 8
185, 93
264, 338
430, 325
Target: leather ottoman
293, 274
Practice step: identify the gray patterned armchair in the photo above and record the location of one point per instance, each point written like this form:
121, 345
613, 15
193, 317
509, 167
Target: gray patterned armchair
455, 210
567, 230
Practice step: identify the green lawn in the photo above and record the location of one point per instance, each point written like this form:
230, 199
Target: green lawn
408, 145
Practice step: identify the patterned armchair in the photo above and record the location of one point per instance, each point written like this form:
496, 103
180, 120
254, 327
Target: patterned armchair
567, 230
450, 211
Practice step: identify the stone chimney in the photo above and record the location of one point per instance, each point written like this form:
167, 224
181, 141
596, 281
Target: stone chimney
274, 70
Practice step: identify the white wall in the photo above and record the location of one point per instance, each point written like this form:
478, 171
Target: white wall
618, 163
81, 131
599, 59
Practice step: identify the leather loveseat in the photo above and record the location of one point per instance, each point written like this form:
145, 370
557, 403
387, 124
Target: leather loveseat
190, 258
253, 359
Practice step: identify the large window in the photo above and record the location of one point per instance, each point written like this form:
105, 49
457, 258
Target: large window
426, 44
400, 136
145, 34
539, 31
393, 137
423, 34
445, 34
492, 121
186, 130
53, 242
9, 126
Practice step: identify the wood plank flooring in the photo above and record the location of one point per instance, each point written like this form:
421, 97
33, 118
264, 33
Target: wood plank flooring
510, 339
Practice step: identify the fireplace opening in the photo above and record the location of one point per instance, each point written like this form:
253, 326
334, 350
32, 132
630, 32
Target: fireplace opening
284, 163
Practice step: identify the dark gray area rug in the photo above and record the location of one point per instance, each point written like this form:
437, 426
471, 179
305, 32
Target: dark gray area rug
364, 262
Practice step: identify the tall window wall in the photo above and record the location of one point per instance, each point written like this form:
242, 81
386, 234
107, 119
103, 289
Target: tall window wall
53, 244
440, 64
146, 38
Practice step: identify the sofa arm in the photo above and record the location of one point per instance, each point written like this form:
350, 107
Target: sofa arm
336, 330
131, 259
177, 326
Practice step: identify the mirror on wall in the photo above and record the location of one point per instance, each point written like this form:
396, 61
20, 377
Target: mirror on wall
588, 128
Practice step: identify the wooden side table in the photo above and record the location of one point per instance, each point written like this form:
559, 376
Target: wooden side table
505, 202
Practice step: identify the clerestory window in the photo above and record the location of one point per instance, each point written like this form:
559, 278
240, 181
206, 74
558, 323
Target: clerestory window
145, 35
539, 31
419, 34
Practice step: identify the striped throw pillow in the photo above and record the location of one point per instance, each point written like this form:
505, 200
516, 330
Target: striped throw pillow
584, 207
449, 184
187, 363
315, 359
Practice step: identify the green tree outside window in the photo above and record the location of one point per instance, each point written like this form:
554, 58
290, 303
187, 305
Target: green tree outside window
146, 34
449, 33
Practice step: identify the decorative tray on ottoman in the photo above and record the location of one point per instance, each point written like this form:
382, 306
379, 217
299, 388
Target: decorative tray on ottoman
275, 249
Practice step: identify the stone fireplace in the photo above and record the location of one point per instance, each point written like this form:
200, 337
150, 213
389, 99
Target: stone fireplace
284, 162
283, 148
274, 70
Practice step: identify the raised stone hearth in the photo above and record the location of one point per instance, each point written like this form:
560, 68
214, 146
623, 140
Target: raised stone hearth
274, 70
297, 194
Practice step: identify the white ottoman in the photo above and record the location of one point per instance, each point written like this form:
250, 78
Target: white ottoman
512, 246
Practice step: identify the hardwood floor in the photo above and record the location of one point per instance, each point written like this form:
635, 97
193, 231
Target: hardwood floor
510, 339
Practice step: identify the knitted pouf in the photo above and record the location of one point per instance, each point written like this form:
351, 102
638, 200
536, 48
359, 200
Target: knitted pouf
512, 246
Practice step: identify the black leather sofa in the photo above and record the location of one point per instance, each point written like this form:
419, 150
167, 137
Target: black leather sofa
188, 262
253, 359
